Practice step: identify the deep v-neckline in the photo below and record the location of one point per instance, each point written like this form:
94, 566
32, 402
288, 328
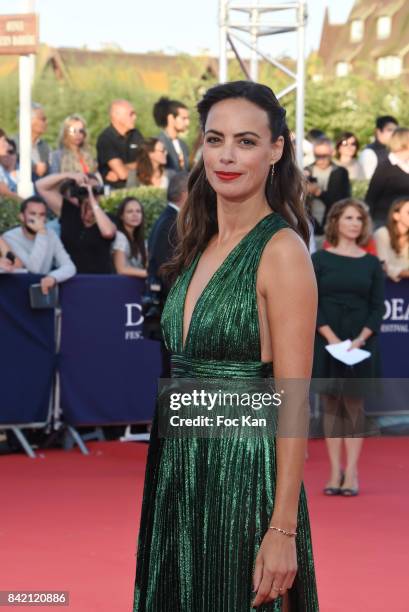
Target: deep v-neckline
209, 282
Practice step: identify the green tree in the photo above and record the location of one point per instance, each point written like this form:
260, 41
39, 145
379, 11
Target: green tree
335, 105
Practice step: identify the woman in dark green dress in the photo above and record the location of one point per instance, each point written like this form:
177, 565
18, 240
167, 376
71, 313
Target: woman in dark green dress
350, 288
224, 523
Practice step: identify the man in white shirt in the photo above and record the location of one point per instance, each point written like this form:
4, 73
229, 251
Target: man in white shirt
39, 249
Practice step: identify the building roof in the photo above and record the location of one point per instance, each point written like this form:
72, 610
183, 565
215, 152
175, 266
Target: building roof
330, 32
388, 9
336, 44
362, 10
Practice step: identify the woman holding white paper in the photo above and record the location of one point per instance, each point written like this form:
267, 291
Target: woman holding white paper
350, 287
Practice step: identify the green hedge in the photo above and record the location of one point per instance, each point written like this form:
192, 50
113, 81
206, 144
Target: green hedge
9, 210
359, 189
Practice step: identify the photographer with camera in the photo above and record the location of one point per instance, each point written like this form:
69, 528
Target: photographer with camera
36, 247
87, 231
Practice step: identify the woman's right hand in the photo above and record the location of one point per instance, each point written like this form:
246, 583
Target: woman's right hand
327, 333
333, 340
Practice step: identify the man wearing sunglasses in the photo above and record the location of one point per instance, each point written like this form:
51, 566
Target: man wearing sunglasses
327, 183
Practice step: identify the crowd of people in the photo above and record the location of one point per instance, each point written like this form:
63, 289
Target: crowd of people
124, 157
83, 238
69, 183
331, 170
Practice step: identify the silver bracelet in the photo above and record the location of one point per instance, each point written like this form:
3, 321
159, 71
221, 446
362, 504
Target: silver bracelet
290, 534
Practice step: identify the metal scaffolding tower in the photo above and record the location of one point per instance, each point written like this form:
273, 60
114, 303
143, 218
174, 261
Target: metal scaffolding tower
256, 26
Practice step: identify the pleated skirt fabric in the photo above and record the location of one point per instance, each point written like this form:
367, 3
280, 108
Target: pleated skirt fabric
207, 505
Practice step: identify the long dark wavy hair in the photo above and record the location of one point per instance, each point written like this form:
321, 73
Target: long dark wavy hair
197, 220
137, 242
144, 169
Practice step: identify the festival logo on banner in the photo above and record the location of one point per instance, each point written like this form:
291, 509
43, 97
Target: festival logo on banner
397, 315
133, 322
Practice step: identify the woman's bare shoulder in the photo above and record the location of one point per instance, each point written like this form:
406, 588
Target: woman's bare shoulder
286, 245
284, 255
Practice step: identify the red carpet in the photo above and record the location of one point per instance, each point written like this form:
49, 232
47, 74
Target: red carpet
69, 522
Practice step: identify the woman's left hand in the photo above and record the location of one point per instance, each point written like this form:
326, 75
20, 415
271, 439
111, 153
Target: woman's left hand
275, 567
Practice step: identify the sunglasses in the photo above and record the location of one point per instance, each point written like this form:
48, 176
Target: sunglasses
74, 131
345, 143
326, 156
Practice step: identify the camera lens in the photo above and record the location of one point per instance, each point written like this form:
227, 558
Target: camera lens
82, 192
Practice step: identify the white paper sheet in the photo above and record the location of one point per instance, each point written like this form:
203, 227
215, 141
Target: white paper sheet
340, 351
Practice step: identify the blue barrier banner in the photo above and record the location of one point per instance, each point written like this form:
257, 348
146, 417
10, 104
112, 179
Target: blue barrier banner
108, 372
27, 355
394, 336
393, 397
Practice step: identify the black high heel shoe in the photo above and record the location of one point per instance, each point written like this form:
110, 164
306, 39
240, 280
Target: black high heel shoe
349, 491
335, 490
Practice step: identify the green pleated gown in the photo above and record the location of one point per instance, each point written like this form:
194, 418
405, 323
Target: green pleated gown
207, 501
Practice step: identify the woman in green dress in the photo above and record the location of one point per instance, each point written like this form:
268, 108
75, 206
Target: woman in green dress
350, 289
224, 524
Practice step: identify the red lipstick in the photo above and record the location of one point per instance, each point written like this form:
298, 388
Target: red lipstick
228, 176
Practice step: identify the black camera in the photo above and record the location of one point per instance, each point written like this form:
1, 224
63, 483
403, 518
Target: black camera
152, 299
311, 179
71, 189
